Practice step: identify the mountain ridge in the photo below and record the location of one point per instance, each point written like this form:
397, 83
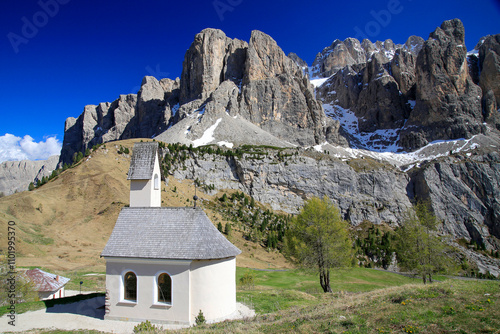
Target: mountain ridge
15, 176
422, 116
381, 83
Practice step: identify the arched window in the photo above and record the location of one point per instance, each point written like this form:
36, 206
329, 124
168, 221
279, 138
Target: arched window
157, 182
130, 286
164, 288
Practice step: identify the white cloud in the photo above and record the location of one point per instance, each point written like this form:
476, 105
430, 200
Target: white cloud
17, 148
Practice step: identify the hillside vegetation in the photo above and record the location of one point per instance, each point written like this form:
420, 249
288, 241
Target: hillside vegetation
449, 307
65, 224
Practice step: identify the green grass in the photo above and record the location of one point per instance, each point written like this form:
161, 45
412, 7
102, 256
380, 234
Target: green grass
280, 290
363, 301
453, 306
90, 283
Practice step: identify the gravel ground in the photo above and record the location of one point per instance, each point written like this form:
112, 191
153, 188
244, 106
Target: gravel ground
85, 315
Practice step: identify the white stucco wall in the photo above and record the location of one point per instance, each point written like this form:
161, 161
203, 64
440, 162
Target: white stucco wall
213, 288
208, 285
139, 194
44, 295
145, 308
144, 193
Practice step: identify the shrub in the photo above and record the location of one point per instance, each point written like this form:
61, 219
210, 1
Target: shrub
146, 326
200, 319
247, 280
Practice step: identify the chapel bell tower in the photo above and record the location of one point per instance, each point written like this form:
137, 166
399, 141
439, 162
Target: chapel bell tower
144, 175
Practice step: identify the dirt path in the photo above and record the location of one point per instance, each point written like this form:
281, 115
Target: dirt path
84, 315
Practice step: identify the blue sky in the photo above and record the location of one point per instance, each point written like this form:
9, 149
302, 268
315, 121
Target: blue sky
59, 55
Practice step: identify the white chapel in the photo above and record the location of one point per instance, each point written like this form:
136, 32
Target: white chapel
166, 264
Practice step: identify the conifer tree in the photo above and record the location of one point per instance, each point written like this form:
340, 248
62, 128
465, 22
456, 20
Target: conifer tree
227, 229
418, 249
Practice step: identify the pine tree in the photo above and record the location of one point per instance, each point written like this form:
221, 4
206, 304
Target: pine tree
418, 249
227, 229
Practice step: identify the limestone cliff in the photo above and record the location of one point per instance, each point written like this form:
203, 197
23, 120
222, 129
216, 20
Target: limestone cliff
15, 176
448, 103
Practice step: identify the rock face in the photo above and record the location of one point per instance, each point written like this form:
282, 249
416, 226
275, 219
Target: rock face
130, 116
277, 96
419, 91
376, 83
210, 60
255, 81
380, 103
377, 96
448, 104
15, 176
489, 81
377, 196
464, 192
342, 54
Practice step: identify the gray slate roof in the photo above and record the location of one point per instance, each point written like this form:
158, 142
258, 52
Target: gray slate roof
167, 233
143, 159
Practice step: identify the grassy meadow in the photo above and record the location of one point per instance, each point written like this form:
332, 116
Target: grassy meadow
363, 301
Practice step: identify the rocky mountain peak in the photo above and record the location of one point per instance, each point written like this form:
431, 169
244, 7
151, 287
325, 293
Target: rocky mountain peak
448, 104
425, 85
489, 81
203, 65
414, 44
265, 59
351, 52
299, 61
451, 29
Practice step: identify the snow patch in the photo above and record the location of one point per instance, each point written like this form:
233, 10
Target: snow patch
382, 144
317, 82
208, 135
225, 143
319, 147
473, 52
